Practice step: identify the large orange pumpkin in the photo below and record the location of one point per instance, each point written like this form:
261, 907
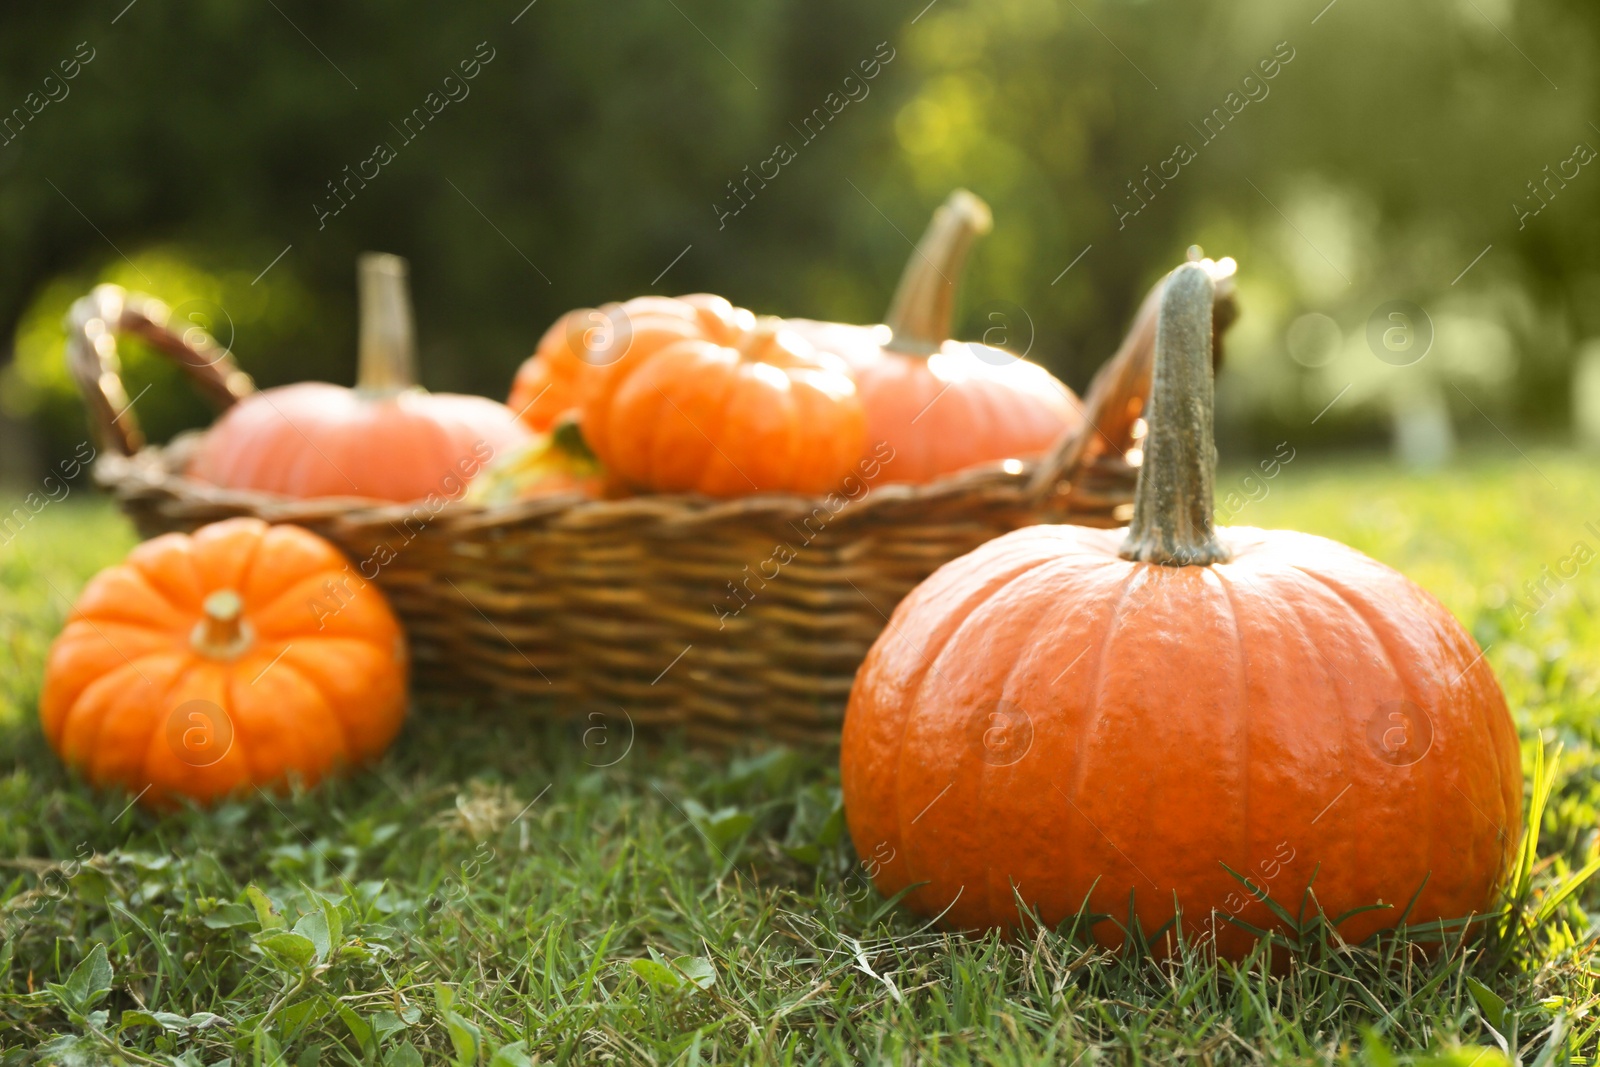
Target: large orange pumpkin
1117, 719
707, 398
236, 657
944, 405
385, 439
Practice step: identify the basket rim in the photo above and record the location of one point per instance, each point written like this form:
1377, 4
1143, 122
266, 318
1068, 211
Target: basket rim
156, 470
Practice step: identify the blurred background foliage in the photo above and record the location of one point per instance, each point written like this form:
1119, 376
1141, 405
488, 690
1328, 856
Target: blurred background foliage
596, 147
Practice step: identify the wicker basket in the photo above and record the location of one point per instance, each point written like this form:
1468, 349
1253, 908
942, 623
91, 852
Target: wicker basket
678, 610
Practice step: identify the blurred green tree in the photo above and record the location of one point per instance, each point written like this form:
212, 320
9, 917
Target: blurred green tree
590, 159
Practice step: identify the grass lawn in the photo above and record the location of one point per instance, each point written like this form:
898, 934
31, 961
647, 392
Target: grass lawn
493, 893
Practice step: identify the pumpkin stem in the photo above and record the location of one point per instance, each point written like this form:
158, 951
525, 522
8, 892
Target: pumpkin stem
924, 303
222, 632
387, 356
1172, 508
566, 436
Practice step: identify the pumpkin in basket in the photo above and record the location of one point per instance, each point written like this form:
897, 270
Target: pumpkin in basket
942, 405
1174, 715
386, 439
551, 382
708, 398
572, 357
559, 461
211, 663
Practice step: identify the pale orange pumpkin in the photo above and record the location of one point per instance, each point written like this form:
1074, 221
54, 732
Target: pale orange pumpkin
941, 405
208, 664
386, 439
1180, 717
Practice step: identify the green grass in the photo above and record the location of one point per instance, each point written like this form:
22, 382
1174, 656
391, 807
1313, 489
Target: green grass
490, 894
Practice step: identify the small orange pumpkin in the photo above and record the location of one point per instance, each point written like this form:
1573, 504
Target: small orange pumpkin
386, 439
572, 357
572, 353
206, 664
942, 405
1119, 719
709, 399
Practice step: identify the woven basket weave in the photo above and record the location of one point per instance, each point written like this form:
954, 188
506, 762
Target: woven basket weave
724, 618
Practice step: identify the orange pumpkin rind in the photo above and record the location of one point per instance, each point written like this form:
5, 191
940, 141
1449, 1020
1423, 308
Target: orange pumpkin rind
207, 665
1177, 718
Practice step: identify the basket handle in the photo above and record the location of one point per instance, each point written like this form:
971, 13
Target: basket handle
1120, 389
94, 324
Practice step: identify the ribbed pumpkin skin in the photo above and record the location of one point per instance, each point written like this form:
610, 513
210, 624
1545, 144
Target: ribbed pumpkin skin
551, 381
940, 414
314, 689
949, 411
713, 401
573, 357
1182, 718
313, 439
698, 417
